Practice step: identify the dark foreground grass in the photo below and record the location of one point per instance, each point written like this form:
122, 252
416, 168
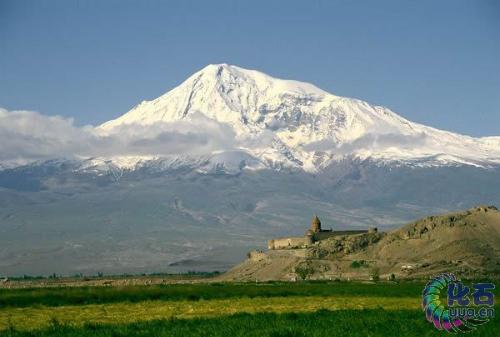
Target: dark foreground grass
323, 323
200, 291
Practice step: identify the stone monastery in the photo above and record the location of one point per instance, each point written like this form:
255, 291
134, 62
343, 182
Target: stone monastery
312, 235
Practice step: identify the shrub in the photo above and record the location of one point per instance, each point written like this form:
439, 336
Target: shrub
304, 270
375, 274
358, 264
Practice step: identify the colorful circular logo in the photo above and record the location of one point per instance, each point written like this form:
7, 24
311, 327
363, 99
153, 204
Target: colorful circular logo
437, 310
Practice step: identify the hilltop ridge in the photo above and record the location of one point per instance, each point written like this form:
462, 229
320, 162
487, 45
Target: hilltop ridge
466, 243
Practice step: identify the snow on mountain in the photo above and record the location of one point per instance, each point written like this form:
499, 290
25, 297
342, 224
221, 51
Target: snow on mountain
306, 126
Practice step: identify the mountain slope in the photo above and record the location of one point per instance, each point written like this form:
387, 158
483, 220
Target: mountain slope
303, 125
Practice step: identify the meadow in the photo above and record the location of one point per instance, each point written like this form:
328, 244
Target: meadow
221, 309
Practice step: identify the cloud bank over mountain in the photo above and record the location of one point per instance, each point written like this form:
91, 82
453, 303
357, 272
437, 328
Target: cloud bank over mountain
27, 136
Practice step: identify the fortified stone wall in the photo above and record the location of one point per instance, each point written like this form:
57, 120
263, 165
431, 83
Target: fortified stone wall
325, 235
291, 242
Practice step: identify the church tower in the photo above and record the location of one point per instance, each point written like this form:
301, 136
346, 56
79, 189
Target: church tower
315, 224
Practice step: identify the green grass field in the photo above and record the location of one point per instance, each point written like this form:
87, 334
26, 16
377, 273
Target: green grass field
268, 309
200, 291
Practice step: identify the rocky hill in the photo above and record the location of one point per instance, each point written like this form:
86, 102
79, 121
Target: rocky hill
467, 243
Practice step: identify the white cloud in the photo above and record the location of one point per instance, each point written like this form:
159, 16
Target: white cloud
28, 135
371, 142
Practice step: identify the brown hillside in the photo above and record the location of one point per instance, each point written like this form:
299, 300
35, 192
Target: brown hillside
467, 243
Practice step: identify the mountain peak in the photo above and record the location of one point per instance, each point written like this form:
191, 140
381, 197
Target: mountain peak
230, 73
225, 93
217, 67
215, 70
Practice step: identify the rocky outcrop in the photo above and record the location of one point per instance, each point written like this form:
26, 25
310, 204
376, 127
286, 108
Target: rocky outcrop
343, 245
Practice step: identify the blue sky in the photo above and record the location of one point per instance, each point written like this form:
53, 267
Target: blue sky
434, 62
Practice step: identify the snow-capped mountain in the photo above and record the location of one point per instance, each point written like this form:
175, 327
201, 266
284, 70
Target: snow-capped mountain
214, 168
303, 125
